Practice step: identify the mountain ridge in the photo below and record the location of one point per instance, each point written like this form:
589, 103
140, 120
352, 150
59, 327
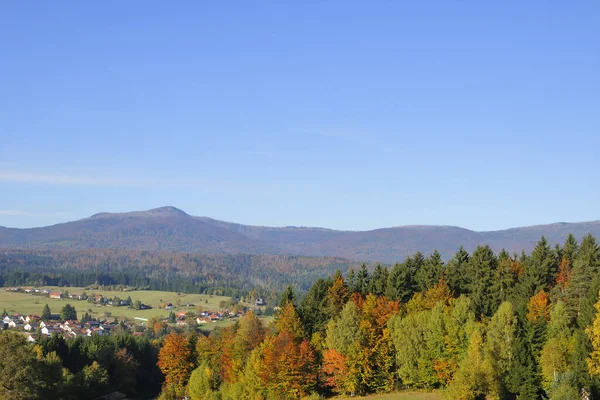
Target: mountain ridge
171, 229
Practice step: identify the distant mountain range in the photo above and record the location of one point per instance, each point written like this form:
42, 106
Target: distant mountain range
171, 229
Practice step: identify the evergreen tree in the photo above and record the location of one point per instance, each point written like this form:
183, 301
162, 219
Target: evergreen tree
68, 313
400, 284
430, 272
540, 270
46, 313
570, 248
350, 279
479, 274
362, 281
287, 296
585, 266
314, 307
378, 284
455, 272
504, 280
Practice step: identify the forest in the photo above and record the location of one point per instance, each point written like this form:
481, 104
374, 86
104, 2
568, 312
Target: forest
482, 325
228, 275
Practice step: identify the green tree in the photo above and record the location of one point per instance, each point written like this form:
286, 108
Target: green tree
540, 270
430, 272
203, 383
499, 346
20, 376
378, 284
68, 313
401, 284
287, 297
46, 313
455, 272
479, 275
362, 281
172, 318
314, 307
584, 267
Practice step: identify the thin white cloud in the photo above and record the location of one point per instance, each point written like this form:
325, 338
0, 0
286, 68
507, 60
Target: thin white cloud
20, 213
89, 180
185, 183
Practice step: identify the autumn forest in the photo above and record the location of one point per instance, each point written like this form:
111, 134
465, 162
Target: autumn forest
481, 325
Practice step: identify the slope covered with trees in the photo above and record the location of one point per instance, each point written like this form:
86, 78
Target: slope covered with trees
482, 325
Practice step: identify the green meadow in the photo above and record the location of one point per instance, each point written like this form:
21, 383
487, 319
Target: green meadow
25, 303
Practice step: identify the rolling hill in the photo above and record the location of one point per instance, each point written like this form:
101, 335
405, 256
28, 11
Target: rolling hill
171, 229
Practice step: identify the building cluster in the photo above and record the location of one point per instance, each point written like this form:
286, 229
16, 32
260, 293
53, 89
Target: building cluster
34, 326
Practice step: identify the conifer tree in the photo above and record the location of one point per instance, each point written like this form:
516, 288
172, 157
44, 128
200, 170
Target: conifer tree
378, 284
455, 272
362, 281
585, 266
400, 284
430, 272
46, 313
479, 274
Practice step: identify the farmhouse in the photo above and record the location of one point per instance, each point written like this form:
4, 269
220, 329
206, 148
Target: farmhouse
56, 295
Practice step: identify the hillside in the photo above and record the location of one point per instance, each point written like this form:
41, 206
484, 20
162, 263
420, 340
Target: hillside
170, 229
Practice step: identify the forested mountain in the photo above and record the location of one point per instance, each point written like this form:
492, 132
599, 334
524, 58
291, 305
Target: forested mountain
228, 274
170, 229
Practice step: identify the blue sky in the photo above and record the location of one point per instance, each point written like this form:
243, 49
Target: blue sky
343, 114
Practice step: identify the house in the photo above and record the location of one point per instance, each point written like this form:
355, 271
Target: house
180, 315
32, 318
32, 338
15, 324
56, 295
260, 302
85, 332
7, 319
29, 327
168, 306
202, 320
28, 290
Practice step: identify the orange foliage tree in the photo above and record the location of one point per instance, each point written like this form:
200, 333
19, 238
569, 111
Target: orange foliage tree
539, 307
288, 368
175, 360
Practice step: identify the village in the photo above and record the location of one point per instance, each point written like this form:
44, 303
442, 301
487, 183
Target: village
35, 326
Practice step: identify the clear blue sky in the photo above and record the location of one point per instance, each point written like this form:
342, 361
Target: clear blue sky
343, 114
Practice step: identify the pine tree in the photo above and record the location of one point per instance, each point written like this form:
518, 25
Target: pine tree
68, 312
314, 308
570, 248
504, 280
430, 272
540, 270
455, 272
400, 284
378, 284
46, 313
585, 266
362, 281
479, 275
287, 297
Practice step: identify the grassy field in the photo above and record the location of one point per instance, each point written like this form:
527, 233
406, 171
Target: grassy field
24, 303
398, 396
